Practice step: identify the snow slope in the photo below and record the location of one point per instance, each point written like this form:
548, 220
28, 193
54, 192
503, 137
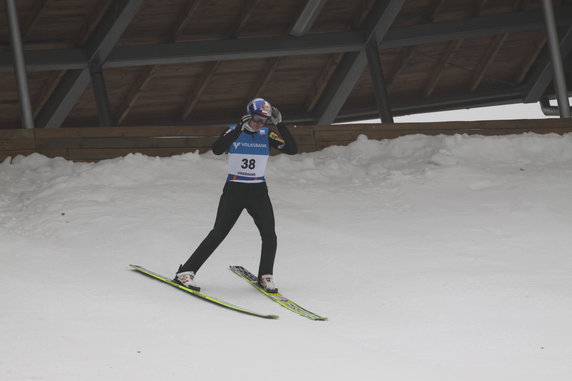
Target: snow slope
435, 258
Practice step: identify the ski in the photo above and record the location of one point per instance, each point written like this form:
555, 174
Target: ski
199, 294
278, 298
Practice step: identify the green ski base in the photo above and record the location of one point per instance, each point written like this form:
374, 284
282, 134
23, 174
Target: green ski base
277, 297
199, 294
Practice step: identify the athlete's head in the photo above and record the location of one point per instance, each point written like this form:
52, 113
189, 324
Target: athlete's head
260, 112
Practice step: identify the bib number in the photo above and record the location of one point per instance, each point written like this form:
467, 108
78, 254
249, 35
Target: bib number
250, 164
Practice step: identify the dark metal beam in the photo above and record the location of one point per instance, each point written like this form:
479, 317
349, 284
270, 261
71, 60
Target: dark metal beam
323, 43
477, 99
236, 49
100, 93
542, 72
377, 79
472, 28
353, 64
98, 48
19, 64
307, 17
556, 59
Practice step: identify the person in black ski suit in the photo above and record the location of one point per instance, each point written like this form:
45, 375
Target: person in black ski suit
248, 144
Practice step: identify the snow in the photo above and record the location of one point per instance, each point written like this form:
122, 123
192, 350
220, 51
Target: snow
435, 258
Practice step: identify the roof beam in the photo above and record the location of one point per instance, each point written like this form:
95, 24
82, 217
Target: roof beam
32, 19
244, 48
486, 60
506, 96
135, 92
247, 9
353, 64
378, 81
529, 61
407, 53
259, 85
489, 98
197, 89
98, 48
247, 48
307, 17
472, 28
438, 68
185, 19
542, 74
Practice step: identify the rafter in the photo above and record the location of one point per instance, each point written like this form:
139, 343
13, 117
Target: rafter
54, 79
353, 64
378, 81
193, 98
486, 60
334, 60
31, 20
438, 68
246, 10
184, 18
307, 17
542, 74
450, 50
259, 85
48, 87
405, 57
322, 80
408, 52
198, 89
325, 43
492, 50
538, 45
148, 73
134, 92
98, 48
95, 17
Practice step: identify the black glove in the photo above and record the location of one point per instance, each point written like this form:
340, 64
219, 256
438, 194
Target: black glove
276, 116
244, 122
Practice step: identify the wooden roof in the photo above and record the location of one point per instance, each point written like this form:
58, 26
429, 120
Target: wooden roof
198, 62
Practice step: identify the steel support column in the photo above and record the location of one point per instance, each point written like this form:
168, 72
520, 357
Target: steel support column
19, 65
378, 82
100, 93
555, 54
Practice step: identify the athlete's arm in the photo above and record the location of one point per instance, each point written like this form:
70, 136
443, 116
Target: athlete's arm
222, 144
284, 142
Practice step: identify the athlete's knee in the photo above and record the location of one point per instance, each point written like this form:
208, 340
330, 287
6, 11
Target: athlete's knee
269, 236
218, 235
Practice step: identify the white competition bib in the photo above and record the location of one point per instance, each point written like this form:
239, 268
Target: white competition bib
248, 156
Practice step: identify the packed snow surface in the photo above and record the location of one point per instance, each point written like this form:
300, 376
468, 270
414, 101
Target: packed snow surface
440, 258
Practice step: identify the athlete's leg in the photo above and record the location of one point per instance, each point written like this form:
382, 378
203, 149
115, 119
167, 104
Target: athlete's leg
260, 208
230, 207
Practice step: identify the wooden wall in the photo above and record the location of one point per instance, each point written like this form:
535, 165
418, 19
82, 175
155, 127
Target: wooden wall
98, 143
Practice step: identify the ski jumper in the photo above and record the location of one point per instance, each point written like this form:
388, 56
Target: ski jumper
245, 188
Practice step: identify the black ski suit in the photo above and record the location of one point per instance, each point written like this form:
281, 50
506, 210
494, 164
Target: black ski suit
238, 196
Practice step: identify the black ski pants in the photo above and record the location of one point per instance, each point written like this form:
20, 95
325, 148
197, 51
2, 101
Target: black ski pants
234, 199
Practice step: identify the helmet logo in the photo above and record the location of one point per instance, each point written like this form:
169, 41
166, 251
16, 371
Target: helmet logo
259, 106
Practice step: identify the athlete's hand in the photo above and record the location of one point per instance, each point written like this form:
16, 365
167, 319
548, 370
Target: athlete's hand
244, 121
276, 117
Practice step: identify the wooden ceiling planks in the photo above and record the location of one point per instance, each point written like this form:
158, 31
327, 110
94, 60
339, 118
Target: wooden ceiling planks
179, 93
